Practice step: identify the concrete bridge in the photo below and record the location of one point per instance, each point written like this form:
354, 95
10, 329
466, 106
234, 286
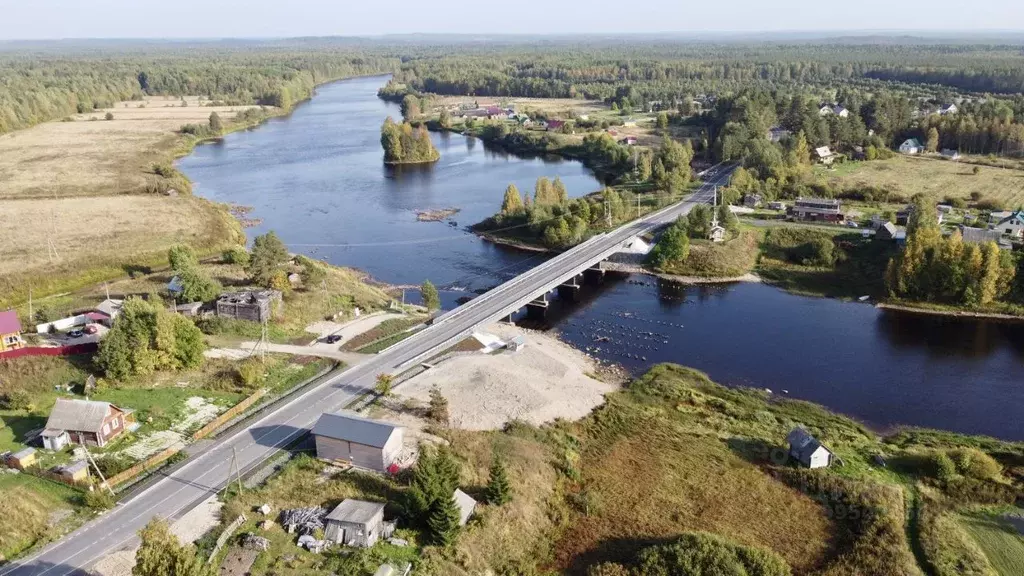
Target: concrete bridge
209, 470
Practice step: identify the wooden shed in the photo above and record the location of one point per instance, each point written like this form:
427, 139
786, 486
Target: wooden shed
22, 459
355, 523
361, 442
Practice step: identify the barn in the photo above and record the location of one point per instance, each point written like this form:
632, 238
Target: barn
361, 442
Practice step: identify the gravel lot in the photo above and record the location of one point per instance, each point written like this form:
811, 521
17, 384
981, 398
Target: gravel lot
547, 379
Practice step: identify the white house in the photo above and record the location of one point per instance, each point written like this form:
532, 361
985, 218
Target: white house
1013, 225
840, 111
824, 155
950, 154
807, 450
911, 146
948, 109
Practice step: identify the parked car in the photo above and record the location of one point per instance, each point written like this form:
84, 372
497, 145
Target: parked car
75, 333
91, 329
333, 339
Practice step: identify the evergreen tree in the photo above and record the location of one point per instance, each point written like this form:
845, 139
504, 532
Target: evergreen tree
672, 248
444, 119
662, 121
267, 257
542, 195
437, 410
216, 126
444, 521
643, 167
499, 490
512, 204
801, 150
431, 299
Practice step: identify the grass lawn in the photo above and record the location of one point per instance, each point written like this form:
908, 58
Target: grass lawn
730, 259
32, 509
934, 177
1002, 541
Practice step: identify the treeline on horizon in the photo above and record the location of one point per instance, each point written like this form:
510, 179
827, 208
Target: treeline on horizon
38, 88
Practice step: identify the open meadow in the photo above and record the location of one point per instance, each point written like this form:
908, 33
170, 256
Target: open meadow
933, 177
1000, 538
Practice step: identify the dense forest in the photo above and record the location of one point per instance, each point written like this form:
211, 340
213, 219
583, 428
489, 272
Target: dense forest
404, 144
37, 86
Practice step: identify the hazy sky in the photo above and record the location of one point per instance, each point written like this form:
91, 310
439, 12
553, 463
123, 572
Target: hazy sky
28, 19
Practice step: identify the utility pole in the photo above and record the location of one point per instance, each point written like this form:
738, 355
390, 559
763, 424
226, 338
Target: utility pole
31, 318
238, 472
103, 480
637, 205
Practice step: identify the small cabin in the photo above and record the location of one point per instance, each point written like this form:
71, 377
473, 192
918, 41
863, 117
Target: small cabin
355, 523
808, 450
22, 459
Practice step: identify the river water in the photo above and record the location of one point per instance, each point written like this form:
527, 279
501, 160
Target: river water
317, 179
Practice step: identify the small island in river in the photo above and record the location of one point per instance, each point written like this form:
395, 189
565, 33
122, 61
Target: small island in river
404, 144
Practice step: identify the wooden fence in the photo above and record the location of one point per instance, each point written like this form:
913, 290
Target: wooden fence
151, 462
226, 417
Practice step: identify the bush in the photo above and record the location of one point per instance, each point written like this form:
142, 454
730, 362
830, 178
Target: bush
941, 467
704, 554
98, 499
236, 255
974, 463
16, 400
991, 204
251, 372
955, 202
109, 116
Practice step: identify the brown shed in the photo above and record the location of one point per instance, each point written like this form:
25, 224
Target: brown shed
23, 459
361, 442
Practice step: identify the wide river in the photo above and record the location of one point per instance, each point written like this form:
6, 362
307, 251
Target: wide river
316, 178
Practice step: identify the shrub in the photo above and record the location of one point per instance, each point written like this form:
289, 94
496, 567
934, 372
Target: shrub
704, 554
942, 467
98, 499
974, 463
251, 372
109, 116
236, 255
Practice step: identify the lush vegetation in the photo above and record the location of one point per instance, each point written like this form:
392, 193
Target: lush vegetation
404, 144
146, 337
933, 268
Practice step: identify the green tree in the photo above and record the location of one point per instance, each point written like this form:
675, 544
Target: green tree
236, 255
216, 126
499, 490
313, 273
672, 248
444, 521
558, 192
437, 409
268, 255
512, 204
435, 477
147, 337
431, 299
410, 107
542, 194
932, 142
643, 167
197, 285
384, 384
181, 257
662, 122
391, 141
726, 218
160, 554
444, 119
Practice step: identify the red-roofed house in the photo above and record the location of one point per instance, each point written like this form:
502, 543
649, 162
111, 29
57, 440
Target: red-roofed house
554, 124
10, 331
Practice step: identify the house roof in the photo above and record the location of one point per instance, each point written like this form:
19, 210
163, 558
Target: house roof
23, 453
823, 152
889, 228
355, 511
1015, 218
110, 307
78, 415
803, 443
175, 285
979, 235
912, 142
9, 323
465, 503
354, 429
949, 152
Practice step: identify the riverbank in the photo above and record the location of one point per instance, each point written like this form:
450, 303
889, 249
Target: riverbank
938, 310
117, 175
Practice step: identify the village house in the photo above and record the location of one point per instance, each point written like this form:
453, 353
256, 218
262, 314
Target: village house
357, 523
10, 331
829, 109
360, 442
816, 210
251, 305
950, 154
85, 422
824, 155
751, 200
552, 125
807, 450
776, 205
948, 109
911, 146
628, 141
903, 216
1012, 225
888, 231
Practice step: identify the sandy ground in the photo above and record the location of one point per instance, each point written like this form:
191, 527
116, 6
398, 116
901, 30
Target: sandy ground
188, 528
547, 379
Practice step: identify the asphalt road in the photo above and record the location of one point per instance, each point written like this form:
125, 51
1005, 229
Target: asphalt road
208, 471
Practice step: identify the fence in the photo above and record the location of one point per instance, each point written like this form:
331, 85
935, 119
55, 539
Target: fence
51, 351
151, 462
229, 415
223, 539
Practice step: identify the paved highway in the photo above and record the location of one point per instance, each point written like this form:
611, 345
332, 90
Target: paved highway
208, 471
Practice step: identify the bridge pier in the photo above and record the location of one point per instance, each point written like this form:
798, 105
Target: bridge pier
569, 289
594, 274
538, 307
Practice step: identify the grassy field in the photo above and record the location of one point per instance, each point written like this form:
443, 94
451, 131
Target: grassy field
79, 197
33, 510
934, 177
724, 260
1002, 541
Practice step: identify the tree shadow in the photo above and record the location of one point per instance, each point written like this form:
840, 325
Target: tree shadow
758, 452
136, 270
23, 426
620, 550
